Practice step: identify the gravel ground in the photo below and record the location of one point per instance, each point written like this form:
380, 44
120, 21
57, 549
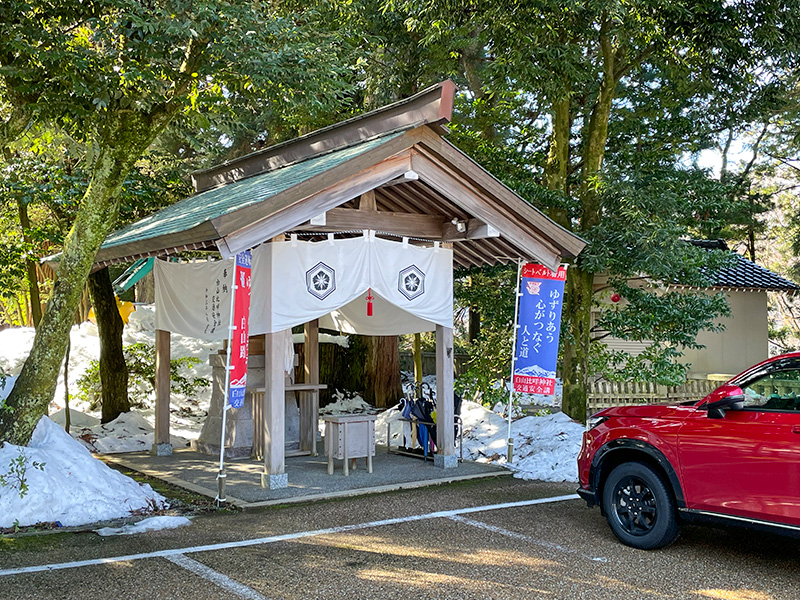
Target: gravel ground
554, 550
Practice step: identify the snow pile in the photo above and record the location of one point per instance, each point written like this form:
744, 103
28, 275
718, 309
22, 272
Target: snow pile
188, 412
150, 524
545, 448
72, 488
75, 488
76, 418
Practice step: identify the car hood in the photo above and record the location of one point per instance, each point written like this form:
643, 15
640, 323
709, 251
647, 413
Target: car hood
647, 411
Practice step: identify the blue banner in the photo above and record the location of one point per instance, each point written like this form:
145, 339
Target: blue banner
539, 325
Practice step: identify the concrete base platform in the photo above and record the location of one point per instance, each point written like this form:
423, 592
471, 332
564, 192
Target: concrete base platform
307, 476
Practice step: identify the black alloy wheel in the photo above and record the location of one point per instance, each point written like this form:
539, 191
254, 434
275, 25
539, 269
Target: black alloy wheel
639, 506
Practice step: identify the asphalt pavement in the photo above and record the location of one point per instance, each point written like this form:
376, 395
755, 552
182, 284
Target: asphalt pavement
488, 539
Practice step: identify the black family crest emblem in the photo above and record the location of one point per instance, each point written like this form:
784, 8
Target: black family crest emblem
411, 282
321, 280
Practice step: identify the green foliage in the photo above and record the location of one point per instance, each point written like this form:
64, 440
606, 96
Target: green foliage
142, 376
489, 365
15, 478
490, 291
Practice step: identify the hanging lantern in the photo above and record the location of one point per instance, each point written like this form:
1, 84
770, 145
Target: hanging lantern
369, 302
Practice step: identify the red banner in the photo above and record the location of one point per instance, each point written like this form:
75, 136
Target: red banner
240, 337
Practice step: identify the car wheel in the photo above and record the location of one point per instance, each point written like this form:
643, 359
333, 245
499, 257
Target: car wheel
640, 507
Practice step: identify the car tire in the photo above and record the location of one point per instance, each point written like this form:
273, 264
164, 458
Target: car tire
640, 507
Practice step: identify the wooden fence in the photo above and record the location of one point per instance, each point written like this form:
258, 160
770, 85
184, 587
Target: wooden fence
603, 394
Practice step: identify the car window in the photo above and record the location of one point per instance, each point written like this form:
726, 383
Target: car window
779, 390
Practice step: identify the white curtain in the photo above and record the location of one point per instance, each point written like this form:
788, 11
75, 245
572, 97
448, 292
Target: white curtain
194, 299
295, 282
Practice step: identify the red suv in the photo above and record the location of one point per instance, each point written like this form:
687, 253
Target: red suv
734, 455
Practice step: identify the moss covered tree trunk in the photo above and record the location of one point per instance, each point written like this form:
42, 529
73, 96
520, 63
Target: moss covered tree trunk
123, 139
113, 370
579, 286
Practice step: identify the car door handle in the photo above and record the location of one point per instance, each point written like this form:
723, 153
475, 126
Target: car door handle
796, 429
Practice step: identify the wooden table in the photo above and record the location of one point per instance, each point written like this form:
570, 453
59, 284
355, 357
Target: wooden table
348, 437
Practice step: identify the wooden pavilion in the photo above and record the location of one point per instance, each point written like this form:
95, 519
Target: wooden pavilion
390, 171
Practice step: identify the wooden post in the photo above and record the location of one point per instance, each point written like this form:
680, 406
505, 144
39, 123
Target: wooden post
367, 201
445, 417
274, 412
161, 443
309, 401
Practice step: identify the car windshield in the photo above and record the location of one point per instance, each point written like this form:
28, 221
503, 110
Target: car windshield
772, 386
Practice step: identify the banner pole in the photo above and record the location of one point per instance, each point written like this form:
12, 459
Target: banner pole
221, 495
517, 294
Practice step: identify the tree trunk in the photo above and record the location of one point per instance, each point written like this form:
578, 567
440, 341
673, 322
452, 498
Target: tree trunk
113, 370
417, 351
579, 286
123, 140
474, 326
30, 267
383, 387
575, 370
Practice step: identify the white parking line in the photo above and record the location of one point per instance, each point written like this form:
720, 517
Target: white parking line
526, 538
280, 538
223, 581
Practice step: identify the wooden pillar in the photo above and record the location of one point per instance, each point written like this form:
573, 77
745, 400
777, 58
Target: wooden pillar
161, 444
309, 401
445, 417
274, 475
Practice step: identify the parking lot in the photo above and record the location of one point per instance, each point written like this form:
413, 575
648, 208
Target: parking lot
498, 539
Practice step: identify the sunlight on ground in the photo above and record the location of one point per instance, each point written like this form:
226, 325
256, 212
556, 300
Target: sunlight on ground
390, 546
416, 578
734, 594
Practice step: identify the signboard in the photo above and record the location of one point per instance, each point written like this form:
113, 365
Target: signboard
539, 324
240, 337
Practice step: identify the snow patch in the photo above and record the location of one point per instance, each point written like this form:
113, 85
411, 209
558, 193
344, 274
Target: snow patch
73, 488
129, 432
150, 524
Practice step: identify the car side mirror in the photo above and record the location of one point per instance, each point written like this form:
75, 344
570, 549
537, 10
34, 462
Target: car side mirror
717, 408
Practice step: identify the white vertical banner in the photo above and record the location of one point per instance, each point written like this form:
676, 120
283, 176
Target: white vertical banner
194, 299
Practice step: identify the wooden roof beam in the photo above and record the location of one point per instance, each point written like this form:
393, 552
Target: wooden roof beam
468, 229
407, 224
487, 185
249, 226
458, 190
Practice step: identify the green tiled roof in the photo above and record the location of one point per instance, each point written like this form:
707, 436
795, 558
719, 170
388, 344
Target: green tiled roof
208, 205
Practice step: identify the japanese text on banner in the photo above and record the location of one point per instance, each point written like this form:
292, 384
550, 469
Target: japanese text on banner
240, 337
539, 320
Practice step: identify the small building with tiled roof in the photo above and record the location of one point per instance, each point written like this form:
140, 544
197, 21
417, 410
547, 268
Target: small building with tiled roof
743, 274
744, 341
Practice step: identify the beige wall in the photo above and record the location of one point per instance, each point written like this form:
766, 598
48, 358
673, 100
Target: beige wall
743, 343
